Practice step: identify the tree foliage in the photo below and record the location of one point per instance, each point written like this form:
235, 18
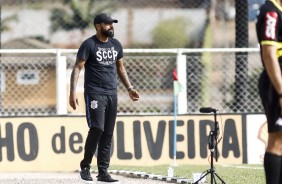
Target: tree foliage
4, 24
78, 14
171, 33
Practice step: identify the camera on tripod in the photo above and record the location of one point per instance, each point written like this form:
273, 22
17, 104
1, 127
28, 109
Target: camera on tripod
212, 141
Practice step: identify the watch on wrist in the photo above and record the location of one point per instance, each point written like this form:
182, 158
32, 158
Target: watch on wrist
129, 88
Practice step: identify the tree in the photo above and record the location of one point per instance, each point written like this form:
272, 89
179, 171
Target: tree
78, 14
171, 33
5, 21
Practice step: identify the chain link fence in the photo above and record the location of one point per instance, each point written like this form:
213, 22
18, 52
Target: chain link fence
211, 81
142, 24
28, 85
224, 79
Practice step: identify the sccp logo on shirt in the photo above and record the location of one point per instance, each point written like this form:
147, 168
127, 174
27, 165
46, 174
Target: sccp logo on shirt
106, 56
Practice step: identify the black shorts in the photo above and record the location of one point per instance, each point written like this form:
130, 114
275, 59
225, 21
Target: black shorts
270, 102
101, 111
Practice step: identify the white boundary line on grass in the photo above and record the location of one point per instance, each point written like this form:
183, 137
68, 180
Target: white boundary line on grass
243, 167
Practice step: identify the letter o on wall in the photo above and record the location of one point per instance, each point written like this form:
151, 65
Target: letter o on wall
33, 141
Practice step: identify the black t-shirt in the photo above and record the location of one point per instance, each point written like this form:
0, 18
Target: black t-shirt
100, 66
269, 26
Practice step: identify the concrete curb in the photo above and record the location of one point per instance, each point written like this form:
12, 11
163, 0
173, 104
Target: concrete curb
144, 175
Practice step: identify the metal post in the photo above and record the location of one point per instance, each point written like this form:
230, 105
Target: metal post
1, 56
61, 83
181, 72
174, 129
241, 58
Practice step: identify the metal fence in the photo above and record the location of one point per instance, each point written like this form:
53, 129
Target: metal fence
142, 24
30, 81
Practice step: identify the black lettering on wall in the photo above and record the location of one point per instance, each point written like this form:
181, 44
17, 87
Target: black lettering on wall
155, 147
121, 153
33, 140
75, 138
61, 141
137, 139
230, 139
7, 142
191, 139
205, 127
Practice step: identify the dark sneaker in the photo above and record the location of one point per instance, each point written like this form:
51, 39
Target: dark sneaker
85, 176
106, 178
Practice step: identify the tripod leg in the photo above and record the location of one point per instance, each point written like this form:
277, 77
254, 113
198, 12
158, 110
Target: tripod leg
196, 182
213, 179
223, 182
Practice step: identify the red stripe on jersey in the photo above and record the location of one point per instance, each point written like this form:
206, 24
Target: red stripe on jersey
271, 19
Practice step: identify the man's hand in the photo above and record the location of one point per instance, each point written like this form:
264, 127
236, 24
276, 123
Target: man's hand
134, 95
73, 100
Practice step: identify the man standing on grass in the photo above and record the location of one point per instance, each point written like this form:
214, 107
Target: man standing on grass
101, 55
269, 32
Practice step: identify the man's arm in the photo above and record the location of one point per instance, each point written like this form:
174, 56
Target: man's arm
79, 64
134, 95
273, 68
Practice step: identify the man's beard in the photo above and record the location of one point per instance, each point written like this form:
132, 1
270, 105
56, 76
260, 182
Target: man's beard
109, 33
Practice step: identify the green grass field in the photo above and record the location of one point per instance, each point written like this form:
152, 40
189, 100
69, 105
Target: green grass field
231, 174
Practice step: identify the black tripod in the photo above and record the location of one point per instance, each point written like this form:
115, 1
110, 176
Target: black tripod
212, 147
